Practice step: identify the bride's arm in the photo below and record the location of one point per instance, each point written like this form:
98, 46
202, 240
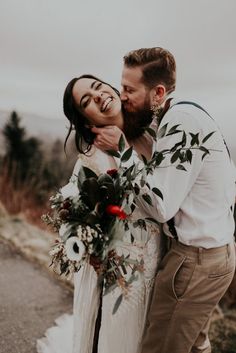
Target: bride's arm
71, 188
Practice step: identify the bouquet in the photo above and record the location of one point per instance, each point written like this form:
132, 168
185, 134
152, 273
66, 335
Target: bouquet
91, 215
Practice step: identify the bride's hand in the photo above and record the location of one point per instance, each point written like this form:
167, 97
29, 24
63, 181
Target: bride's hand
107, 137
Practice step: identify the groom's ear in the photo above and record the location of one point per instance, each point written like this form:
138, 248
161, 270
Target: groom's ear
158, 93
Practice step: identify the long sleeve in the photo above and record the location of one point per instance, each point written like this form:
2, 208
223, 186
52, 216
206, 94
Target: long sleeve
71, 187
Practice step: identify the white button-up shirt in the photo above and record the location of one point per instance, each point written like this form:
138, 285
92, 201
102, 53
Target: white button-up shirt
201, 199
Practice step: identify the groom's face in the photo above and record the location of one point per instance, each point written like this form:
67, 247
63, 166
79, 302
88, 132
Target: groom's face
135, 96
136, 104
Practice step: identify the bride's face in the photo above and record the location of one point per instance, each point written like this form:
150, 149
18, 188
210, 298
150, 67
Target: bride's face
98, 102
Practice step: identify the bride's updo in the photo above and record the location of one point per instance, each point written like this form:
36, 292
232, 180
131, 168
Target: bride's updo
83, 136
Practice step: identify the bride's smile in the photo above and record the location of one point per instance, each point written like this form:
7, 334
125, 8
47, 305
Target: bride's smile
106, 104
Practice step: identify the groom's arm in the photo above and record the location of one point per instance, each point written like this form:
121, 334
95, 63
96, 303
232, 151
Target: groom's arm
107, 138
173, 183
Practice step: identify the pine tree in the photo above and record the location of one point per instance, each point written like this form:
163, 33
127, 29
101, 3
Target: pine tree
29, 169
14, 136
23, 156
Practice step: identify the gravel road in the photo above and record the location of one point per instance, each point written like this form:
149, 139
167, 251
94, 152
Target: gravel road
30, 300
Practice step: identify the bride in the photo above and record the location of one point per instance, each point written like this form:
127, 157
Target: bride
89, 102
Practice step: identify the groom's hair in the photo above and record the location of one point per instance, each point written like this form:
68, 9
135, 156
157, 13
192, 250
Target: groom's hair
157, 64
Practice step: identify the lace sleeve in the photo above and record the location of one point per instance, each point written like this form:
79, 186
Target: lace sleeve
71, 188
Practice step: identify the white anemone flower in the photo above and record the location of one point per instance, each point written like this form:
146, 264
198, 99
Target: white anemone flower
75, 249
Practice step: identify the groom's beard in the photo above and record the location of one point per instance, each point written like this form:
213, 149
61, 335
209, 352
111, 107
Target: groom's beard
135, 123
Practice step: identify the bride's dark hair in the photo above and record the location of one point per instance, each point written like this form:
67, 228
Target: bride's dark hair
83, 136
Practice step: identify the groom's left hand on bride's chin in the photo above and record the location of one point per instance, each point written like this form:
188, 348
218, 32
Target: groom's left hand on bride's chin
107, 137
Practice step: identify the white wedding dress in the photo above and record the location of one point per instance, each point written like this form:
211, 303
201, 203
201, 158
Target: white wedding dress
121, 332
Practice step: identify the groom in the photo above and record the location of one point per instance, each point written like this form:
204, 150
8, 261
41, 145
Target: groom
197, 208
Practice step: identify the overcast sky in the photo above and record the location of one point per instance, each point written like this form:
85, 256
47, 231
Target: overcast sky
45, 43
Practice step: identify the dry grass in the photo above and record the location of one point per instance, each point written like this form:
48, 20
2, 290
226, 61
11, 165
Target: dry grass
223, 335
21, 199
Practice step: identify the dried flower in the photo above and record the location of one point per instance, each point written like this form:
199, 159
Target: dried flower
63, 214
59, 247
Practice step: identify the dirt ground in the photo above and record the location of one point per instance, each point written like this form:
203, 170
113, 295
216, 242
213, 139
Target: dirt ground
30, 300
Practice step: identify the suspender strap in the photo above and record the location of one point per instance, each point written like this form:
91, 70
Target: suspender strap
171, 226
195, 105
201, 108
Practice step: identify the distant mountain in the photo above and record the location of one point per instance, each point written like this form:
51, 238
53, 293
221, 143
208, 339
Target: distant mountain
49, 128
37, 125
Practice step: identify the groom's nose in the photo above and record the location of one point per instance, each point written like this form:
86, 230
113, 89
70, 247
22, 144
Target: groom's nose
123, 96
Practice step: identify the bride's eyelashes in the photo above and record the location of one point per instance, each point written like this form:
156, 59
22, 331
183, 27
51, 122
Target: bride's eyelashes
99, 85
86, 102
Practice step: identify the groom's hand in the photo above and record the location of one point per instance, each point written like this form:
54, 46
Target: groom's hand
107, 137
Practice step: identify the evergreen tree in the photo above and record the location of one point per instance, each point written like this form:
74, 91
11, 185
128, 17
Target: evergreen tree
28, 167
23, 155
14, 136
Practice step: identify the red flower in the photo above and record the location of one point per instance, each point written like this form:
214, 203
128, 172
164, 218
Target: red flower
95, 262
66, 204
112, 172
122, 215
116, 211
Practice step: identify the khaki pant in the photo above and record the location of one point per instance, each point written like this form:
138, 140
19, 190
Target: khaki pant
188, 286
